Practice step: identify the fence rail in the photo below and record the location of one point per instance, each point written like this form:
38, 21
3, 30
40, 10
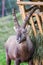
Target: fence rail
29, 3
37, 15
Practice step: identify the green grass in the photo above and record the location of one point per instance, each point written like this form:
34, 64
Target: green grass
6, 30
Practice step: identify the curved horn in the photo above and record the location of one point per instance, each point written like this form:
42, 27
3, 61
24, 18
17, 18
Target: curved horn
15, 19
29, 15
31, 7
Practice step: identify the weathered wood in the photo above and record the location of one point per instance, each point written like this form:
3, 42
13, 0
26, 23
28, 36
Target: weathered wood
35, 0
36, 62
29, 3
22, 11
39, 23
39, 13
21, 4
42, 61
33, 26
41, 16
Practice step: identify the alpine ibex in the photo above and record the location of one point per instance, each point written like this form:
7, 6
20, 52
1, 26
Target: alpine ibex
23, 51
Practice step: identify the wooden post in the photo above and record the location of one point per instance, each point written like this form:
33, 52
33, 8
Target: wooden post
41, 16
42, 61
22, 11
39, 24
33, 26
36, 62
30, 3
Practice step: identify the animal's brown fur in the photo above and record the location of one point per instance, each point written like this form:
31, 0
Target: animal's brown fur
13, 49
23, 51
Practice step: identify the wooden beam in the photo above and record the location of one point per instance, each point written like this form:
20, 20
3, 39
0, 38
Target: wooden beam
33, 26
29, 3
41, 17
40, 13
39, 24
36, 62
42, 61
22, 11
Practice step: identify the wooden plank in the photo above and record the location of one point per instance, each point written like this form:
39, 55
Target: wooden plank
33, 26
22, 11
39, 24
39, 13
36, 62
37, 0
41, 17
42, 61
29, 3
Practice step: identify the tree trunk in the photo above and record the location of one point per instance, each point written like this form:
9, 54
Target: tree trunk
3, 7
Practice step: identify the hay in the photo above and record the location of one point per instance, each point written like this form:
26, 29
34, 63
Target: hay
38, 44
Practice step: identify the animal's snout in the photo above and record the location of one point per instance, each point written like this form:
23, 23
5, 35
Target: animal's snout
21, 38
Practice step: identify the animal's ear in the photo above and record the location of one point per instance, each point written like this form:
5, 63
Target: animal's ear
16, 29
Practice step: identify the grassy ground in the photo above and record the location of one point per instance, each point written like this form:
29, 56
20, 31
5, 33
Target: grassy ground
6, 29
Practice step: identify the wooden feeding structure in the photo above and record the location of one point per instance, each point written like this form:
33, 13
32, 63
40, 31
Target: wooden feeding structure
38, 16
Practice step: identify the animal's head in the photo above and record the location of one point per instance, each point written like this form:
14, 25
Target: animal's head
21, 33
21, 30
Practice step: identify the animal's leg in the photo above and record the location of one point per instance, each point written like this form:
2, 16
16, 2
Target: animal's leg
31, 62
8, 60
17, 62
